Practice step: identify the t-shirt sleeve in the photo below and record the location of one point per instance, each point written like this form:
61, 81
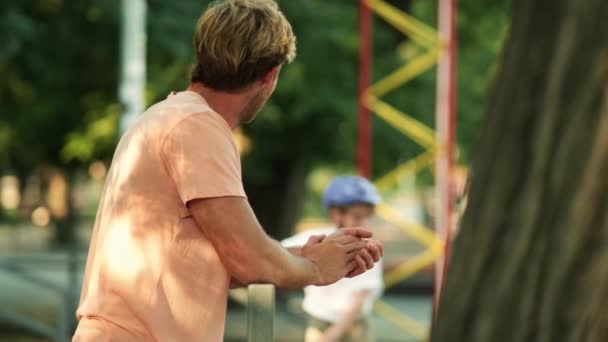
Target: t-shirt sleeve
201, 157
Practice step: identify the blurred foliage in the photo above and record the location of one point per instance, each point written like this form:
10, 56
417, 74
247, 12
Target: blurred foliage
59, 66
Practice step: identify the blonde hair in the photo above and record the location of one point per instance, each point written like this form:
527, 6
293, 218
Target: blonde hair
239, 41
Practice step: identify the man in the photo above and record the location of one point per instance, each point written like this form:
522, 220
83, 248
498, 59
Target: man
174, 229
339, 312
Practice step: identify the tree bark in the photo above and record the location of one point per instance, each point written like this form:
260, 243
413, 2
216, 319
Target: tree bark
531, 262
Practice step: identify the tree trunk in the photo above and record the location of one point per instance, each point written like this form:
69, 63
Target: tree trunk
531, 262
64, 217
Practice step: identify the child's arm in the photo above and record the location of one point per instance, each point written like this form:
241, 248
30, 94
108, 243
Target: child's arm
336, 330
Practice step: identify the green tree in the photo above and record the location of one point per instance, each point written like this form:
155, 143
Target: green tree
57, 96
312, 118
59, 63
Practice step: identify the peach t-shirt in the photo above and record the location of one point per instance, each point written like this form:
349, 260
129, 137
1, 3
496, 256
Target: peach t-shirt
151, 273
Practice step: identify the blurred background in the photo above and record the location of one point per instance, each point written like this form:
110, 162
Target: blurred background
72, 73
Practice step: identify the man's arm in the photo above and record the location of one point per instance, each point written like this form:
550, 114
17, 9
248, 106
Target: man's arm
251, 256
339, 328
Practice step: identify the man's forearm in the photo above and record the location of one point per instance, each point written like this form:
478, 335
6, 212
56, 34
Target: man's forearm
286, 269
248, 253
250, 256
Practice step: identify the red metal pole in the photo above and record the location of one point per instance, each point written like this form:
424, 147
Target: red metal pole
446, 133
364, 150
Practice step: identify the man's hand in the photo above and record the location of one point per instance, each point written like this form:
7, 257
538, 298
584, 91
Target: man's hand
336, 255
313, 240
372, 253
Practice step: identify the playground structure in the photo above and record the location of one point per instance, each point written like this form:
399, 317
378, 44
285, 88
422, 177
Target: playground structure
437, 48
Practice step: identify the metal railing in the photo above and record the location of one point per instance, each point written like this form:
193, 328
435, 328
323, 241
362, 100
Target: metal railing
260, 313
259, 299
67, 294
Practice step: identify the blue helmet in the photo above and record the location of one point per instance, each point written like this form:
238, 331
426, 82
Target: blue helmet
348, 190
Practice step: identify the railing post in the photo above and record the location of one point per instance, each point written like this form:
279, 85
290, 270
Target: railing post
260, 313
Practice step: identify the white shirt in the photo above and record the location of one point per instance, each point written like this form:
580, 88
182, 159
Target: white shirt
329, 303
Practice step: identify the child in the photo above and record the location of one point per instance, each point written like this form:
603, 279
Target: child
340, 312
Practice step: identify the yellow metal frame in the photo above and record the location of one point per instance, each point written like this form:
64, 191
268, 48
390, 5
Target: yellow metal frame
427, 38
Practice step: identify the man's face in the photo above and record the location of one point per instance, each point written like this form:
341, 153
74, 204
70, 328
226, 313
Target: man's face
357, 215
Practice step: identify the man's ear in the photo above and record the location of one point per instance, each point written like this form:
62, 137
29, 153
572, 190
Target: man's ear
271, 75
